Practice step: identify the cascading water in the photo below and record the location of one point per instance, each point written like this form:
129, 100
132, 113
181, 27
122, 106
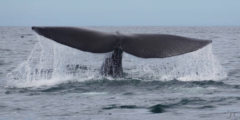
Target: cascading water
52, 63
194, 66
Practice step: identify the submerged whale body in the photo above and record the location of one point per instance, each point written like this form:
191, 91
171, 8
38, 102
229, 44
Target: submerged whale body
140, 45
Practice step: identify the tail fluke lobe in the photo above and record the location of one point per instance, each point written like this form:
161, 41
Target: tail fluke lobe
82, 39
140, 45
160, 45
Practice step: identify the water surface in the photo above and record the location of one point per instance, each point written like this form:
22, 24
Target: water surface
38, 79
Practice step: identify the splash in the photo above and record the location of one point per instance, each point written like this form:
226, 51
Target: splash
195, 66
51, 63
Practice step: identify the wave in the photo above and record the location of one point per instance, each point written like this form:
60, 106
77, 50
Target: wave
120, 86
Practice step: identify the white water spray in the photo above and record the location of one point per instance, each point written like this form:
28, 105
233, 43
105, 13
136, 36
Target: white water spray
51, 63
195, 66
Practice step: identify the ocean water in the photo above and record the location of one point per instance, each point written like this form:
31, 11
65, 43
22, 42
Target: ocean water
41, 79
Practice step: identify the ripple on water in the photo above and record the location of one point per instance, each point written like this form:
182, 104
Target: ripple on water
1, 62
183, 103
158, 108
126, 87
114, 106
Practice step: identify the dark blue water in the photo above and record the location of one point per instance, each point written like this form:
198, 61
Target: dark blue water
36, 84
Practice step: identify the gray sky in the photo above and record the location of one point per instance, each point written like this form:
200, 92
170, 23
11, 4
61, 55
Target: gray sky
120, 13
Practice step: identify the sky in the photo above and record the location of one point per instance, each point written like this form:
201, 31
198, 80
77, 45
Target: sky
119, 12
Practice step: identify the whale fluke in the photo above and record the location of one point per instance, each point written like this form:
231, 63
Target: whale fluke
82, 39
140, 45
160, 45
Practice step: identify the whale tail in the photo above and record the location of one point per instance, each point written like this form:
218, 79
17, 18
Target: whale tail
140, 45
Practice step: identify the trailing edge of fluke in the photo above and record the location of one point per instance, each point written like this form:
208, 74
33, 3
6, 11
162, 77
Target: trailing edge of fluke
140, 45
